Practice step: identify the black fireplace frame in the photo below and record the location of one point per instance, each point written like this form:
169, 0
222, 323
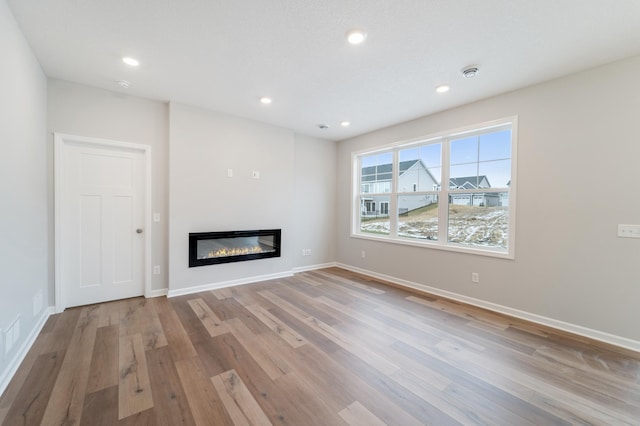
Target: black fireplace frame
194, 237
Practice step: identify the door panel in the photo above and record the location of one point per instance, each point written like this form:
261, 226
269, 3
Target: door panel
103, 198
90, 248
123, 256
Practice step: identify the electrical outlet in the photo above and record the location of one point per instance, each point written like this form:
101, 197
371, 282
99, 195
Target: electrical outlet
156, 270
629, 231
156, 217
475, 277
363, 254
11, 335
37, 303
8, 340
307, 252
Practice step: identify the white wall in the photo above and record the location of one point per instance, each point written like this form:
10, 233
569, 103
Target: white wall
204, 144
314, 201
81, 110
577, 177
23, 187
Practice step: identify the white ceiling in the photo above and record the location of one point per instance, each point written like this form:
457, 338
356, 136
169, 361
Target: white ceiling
224, 55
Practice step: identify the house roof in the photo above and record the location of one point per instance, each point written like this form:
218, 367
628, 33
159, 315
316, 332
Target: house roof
383, 171
470, 182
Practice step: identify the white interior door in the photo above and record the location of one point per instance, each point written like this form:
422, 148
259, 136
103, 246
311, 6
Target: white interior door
100, 231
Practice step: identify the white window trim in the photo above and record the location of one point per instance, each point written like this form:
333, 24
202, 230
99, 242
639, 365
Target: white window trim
440, 244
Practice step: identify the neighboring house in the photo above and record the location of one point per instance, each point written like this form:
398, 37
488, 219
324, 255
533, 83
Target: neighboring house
413, 177
474, 199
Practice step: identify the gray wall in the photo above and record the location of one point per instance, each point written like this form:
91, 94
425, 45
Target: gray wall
23, 185
204, 145
314, 201
86, 111
577, 174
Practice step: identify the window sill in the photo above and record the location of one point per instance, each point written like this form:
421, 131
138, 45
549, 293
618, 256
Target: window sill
478, 251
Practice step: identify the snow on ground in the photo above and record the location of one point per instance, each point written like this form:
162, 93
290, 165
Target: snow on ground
472, 225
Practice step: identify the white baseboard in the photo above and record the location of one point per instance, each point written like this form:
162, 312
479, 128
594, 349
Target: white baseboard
224, 284
157, 293
13, 365
313, 267
601, 336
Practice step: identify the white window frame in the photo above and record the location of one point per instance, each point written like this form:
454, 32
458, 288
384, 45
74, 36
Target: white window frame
443, 192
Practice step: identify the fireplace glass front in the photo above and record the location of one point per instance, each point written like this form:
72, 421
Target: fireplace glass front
207, 248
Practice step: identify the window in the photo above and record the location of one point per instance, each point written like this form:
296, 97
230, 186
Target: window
384, 208
474, 211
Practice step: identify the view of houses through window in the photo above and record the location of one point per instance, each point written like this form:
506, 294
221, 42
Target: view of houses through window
401, 195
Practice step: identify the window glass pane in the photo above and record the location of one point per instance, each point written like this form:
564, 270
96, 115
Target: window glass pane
374, 214
495, 146
481, 161
420, 168
376, 173
464, 150
479, 219
463, 176
498, 173
418, 216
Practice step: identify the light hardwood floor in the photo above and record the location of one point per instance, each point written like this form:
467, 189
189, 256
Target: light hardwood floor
326, 347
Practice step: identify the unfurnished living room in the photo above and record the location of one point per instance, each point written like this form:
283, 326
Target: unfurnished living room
329, 212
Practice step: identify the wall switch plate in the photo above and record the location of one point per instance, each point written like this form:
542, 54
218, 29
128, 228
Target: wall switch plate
629, 231
363, 254
229, 172
156, 217
256, 174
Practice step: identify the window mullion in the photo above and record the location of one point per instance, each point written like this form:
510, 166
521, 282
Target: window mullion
357, 202
443, 198
393, 199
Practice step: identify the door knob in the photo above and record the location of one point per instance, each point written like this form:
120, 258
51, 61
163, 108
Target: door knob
139, 231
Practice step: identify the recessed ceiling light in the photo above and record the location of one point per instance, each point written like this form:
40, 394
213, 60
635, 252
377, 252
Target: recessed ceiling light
443, 88
130, 61
356, 36
123, 83
345, 123
266, 100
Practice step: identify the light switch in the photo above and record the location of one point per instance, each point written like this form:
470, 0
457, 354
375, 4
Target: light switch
256, 174
229, 172
156, 217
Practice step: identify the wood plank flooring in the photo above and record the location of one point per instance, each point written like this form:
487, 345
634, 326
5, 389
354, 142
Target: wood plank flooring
327, 347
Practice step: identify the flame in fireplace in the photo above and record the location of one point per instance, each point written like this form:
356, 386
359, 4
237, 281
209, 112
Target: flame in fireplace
223, 252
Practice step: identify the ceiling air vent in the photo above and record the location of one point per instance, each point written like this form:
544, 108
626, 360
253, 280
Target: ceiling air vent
470, 71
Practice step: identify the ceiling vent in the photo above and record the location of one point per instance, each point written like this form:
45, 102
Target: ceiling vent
470, 71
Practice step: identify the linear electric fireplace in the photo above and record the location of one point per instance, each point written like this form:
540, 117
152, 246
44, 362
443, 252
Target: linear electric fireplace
208, 248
